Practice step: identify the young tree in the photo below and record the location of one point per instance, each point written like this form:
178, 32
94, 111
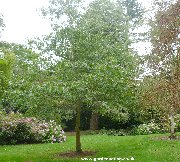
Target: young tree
165, 59
96, 67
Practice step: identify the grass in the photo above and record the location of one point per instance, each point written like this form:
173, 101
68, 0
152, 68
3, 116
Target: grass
142, 148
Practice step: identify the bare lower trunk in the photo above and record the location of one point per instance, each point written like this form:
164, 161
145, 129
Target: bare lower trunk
172, 126
77, 128
94, 121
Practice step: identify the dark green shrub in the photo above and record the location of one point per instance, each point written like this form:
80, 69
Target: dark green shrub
23, 133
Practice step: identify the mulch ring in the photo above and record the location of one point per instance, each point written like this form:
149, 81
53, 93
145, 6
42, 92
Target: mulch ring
166, 138
74, 154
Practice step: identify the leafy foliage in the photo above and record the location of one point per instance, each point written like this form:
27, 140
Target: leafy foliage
6, 64
32, 89
25, 73
96, 65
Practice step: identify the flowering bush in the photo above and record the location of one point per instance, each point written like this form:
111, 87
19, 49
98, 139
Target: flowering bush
15, 129
150, 128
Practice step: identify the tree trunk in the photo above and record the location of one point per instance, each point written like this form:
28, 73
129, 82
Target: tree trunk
94, 121
172, 126
1, 106
77, 128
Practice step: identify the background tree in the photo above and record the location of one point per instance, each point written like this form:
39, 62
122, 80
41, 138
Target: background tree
24, 73
32, 90
6, 63
164, 60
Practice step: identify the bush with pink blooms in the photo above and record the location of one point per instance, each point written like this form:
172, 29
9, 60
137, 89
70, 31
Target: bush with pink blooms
16, 129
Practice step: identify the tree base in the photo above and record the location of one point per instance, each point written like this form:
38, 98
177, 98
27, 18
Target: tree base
74, 154
172, 137
167, 138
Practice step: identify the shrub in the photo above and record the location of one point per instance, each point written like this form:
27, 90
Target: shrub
112, 132
16, 129
177, 121
149, 128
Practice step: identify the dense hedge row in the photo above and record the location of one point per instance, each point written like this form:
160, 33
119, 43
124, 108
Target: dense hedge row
16, 129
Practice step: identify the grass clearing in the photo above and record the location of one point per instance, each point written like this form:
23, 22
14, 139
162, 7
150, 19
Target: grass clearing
143, 148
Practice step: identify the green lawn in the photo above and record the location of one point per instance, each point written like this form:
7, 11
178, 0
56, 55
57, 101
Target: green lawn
142, 148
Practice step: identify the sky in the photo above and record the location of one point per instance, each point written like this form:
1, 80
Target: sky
23, 21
